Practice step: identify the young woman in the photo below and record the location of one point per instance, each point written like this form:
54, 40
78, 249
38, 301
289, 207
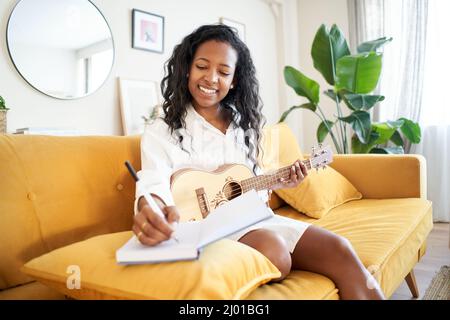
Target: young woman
211, 104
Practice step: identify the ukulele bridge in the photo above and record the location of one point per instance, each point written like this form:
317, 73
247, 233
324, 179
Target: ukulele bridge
203, 202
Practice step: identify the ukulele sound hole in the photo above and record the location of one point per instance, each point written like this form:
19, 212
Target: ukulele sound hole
232, 190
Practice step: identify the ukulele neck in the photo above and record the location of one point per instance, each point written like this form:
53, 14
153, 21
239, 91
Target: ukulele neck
266, 181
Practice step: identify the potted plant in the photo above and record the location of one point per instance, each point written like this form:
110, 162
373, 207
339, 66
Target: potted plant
353, 77
3, 110
154, 113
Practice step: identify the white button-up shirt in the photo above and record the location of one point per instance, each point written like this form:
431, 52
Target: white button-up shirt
205, 147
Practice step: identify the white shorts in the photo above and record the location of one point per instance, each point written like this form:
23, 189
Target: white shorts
290, 229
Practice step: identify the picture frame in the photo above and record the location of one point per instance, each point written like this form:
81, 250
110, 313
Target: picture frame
147, 31
139, 104
240, 27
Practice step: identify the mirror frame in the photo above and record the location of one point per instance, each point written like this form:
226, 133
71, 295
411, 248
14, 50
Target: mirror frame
47, 94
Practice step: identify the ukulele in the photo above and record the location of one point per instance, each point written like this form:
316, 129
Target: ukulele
197, 192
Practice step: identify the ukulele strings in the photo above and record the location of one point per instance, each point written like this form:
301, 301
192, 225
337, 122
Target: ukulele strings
264, 180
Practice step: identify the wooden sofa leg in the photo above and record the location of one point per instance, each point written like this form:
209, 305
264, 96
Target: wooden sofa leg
412, 284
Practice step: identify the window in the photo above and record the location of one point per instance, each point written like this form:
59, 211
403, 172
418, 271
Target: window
435, 99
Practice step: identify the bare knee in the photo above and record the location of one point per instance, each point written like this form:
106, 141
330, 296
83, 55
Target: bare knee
273, 247
341, 247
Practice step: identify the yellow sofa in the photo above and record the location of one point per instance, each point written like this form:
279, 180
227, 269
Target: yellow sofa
56, 191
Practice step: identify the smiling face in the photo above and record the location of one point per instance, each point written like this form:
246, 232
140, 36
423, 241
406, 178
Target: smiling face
211, 73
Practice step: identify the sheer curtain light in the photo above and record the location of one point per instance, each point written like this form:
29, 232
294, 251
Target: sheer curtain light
435, 105
435, 113
414, 78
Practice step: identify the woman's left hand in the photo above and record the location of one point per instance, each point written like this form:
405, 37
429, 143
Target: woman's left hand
297, 175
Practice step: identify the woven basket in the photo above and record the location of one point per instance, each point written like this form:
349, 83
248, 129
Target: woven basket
2, 121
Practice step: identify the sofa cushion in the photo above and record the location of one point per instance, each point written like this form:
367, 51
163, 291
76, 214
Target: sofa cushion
319, 192
289, 212
386, 234
376, 227
280, 147
298, 285
225, 270
31, 291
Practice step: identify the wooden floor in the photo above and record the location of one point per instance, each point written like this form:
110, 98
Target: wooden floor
437, 255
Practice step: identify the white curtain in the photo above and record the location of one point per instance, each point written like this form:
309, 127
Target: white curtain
413, 80
435, 146
402, 75
435, 114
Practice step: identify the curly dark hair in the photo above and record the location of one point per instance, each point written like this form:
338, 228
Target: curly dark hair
245, 96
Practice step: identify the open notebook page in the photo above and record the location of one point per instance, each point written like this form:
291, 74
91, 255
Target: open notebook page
188, 234
235, 215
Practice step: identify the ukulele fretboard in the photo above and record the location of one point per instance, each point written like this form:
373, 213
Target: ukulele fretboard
267, 180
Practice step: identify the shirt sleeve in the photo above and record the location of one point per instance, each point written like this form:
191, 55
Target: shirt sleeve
154, 176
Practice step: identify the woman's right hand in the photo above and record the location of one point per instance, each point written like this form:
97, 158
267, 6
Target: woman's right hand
149, 227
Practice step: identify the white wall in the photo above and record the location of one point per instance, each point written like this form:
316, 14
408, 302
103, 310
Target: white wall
311, 14
99, 113
291, 57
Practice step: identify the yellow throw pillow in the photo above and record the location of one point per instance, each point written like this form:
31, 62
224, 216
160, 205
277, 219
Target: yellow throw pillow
226, 269
320, 192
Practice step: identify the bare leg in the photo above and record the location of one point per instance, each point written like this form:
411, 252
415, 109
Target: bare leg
272, 246
331, 255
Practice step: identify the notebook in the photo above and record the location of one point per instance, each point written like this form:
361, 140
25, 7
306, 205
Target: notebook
233, 216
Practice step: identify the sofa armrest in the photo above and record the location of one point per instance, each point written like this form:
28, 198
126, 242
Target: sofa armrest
379, 176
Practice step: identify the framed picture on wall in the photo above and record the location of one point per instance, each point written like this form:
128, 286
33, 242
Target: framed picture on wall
147, 31
240, 27
139, 104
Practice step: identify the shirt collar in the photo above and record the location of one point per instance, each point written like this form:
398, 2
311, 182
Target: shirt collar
192, 115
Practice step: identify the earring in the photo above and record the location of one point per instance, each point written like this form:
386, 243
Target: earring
232, 86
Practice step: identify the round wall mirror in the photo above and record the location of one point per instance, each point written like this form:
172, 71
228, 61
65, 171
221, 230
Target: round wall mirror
61, 48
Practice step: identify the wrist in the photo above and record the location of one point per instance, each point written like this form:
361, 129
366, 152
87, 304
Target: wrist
142, 202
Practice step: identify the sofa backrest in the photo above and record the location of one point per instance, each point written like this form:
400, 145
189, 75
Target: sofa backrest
55, 191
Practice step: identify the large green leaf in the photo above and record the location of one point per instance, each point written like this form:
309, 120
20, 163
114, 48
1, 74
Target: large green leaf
332, 95
322, 130
327, 48
308, 106
302, 85
386, 130
373, 45
395, 124
397, 139
361, 101
360, 121
358, 73
359, 147
388, 150
411, 130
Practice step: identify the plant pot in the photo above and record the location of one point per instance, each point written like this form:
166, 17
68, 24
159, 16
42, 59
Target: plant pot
3, 121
